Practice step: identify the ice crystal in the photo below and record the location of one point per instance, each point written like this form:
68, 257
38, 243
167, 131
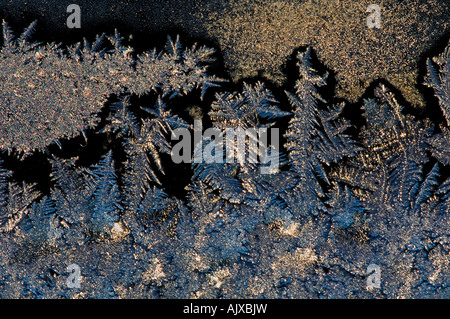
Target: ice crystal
315, 136
16, 201
344, 206
143, 145
391, 166
439, 80
242, 110
307, 228
49, 92
43, 223
105, 195
235, 111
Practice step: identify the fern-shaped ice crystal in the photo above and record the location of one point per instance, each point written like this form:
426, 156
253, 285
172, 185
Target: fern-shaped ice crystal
48, 92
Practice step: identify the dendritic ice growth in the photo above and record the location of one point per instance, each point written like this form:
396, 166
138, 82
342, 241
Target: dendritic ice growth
339, 201
50, 92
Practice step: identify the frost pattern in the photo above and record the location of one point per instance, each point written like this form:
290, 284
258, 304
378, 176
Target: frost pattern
72, 84
336, 203
16, 201
315, 137
439, 80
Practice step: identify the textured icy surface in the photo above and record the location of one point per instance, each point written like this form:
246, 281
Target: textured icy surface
339, 204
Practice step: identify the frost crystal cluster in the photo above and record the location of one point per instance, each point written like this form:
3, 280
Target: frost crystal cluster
49, 92
343, 197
